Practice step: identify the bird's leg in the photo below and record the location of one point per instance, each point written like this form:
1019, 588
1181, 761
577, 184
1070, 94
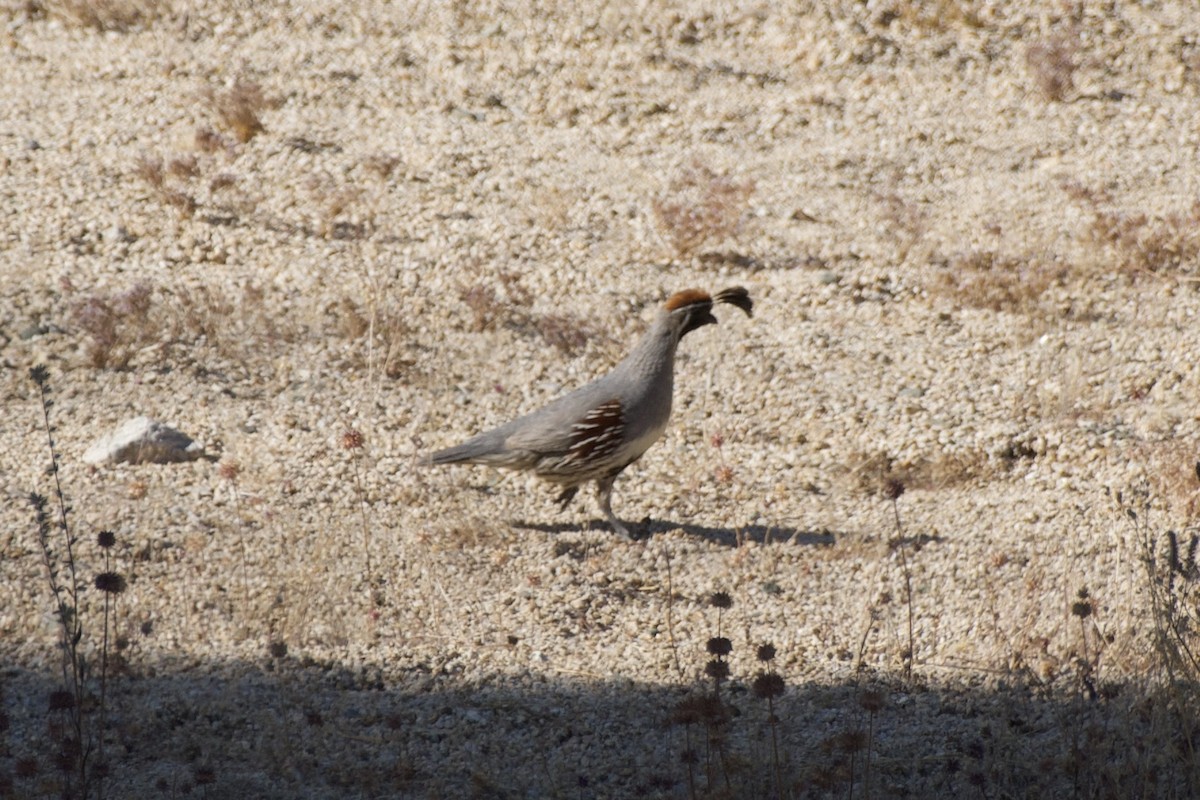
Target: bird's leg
604, 490
566, 496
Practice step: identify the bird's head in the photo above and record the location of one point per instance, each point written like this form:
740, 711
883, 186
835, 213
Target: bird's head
692, 308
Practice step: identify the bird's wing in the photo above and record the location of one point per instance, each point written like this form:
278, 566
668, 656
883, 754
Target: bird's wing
598, 434
574, 435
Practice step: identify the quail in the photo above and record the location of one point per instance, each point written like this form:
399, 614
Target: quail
596, 431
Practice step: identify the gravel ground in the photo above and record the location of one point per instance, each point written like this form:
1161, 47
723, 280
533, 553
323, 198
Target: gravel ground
972, 232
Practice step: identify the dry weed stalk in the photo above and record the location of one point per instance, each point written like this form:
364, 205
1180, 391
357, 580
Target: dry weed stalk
79, 743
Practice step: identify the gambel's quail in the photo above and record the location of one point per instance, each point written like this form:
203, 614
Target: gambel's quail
598, 430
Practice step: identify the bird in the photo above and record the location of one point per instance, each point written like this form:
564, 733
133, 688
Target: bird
594, 432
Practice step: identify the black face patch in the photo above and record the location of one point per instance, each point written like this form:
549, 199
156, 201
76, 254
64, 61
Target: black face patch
698, 317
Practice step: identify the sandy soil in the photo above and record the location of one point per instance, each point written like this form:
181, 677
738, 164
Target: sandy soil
972, 233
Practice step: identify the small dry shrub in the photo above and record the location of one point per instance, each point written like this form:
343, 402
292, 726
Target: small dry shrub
1139, 242
206, 140
152, 170
184, 167
1172, 469
221, 182
985, 279
181, 200
491, 309
905, 219
104, 15
1051, 64
388, 332
1173, 585
874, 473
486, 308
340, 211
117, 326
566, 333
156, 322
382, 164
937, 15
1147, 244
237, 109
701, 208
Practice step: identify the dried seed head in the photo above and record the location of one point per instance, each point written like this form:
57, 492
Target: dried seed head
767, 684
352, 439
277, 649
39, 374
106, 539
110, 582
61, 700
719, 646
229, 470
67, 756
893, 488
1081, 608
717, 439
687, 712
851, 741
765, 652
720, 600
717, 670
204, 775
871, 701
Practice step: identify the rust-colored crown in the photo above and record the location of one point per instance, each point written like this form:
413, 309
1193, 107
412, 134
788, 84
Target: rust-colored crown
686, 298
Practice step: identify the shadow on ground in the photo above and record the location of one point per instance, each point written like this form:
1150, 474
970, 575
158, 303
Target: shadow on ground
728, 537
287, 728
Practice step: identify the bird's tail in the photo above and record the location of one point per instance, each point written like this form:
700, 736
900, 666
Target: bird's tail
486, 448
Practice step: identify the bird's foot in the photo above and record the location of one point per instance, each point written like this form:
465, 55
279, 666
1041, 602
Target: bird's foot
565, 497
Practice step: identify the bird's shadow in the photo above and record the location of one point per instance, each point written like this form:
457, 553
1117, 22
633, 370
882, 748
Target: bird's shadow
728, 537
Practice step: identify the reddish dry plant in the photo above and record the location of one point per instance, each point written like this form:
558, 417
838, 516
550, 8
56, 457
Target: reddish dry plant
564, 332
1141, 243
115, 324
701, 208
986, 279
1051, 63
1145, 244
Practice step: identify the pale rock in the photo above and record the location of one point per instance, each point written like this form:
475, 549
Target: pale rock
142, 440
